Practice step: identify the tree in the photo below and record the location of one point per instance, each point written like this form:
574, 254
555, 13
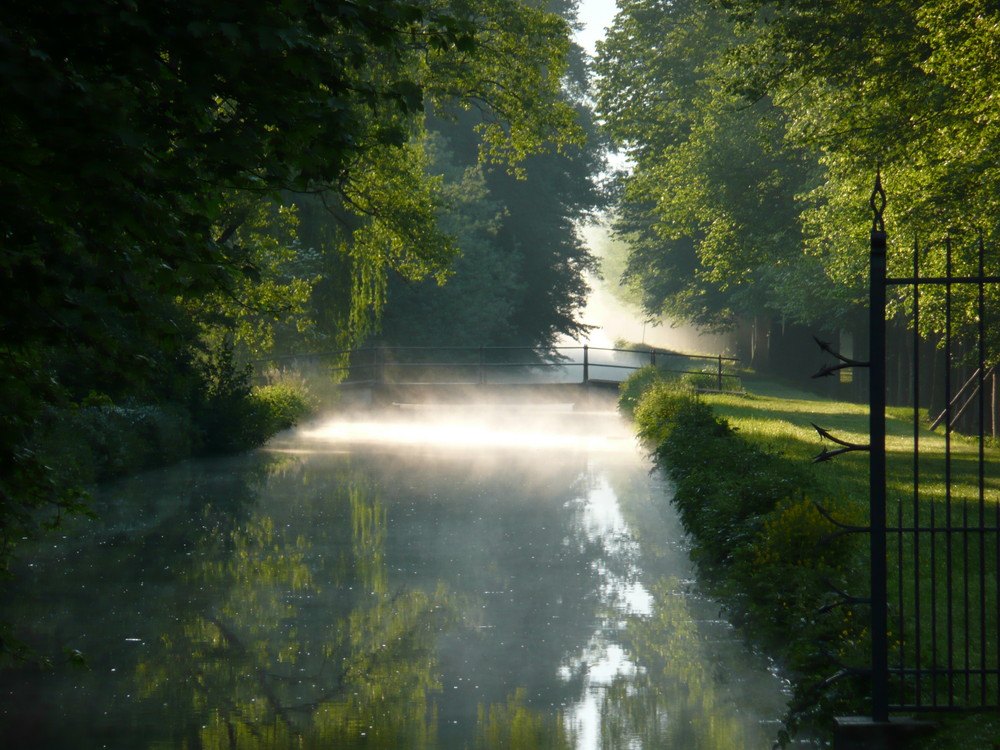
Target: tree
140, 140
520, 278
711, 204
476, 304
899, 86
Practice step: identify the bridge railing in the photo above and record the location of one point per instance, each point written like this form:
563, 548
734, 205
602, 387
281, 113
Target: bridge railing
513, 365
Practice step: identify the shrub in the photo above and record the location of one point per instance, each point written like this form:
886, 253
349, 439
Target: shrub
660, 411
233, 416
100, 440
787, 571
281, 406
796, 533
632, 388
227, 416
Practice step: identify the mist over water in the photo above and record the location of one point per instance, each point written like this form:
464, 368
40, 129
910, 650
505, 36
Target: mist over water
655, 667
484, 574
478, 425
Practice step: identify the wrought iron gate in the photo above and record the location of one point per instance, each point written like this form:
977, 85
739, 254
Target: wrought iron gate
935, 552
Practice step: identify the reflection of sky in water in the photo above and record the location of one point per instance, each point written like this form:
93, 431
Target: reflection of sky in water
602, 522
622, 594
627, 590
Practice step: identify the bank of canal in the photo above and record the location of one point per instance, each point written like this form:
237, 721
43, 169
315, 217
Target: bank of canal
417, 581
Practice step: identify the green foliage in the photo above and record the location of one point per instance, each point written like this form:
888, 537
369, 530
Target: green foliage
664, 409
228, 417
634, 387
709, 210
269, 297
283, 406
234, 416
102, 441
756, 129
475, 306
965, 730
520, 274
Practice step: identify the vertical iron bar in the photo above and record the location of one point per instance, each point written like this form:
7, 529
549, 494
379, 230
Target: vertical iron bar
720, 372
933, 611
949, 535
966, 604
981, 500
900, 603
652, 357
586, 365
876, 419
917, 630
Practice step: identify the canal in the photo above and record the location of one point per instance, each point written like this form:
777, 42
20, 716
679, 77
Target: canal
448, 579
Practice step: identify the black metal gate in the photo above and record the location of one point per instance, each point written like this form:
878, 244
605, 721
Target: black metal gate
935, 495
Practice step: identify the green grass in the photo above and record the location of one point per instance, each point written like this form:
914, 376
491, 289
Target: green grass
781, 417
962, 627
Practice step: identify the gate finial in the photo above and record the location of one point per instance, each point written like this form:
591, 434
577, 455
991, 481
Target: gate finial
877, 202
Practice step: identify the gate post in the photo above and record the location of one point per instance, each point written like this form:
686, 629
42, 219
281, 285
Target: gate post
876, 480
586, 366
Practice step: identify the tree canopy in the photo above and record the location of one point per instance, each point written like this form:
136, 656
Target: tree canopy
162, 167
757, 127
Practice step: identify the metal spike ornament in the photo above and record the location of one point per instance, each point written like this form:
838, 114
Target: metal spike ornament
846, 447
845, 361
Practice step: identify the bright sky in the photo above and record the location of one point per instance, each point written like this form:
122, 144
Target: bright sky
596, 15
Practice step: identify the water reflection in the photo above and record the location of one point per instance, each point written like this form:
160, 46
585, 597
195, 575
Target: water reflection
348, 590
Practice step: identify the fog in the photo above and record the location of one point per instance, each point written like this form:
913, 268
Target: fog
615, 320
475, 425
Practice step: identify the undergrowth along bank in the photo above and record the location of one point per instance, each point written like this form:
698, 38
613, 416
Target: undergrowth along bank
762, 546
99, 439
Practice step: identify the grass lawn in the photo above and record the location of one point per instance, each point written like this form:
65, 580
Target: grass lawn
943, 592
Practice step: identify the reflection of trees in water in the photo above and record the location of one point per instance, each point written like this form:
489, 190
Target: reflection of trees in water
273, 663
504, 726
696, 687
289, 601
264, 668
680, 698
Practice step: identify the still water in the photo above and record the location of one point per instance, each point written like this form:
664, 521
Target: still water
428, 580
